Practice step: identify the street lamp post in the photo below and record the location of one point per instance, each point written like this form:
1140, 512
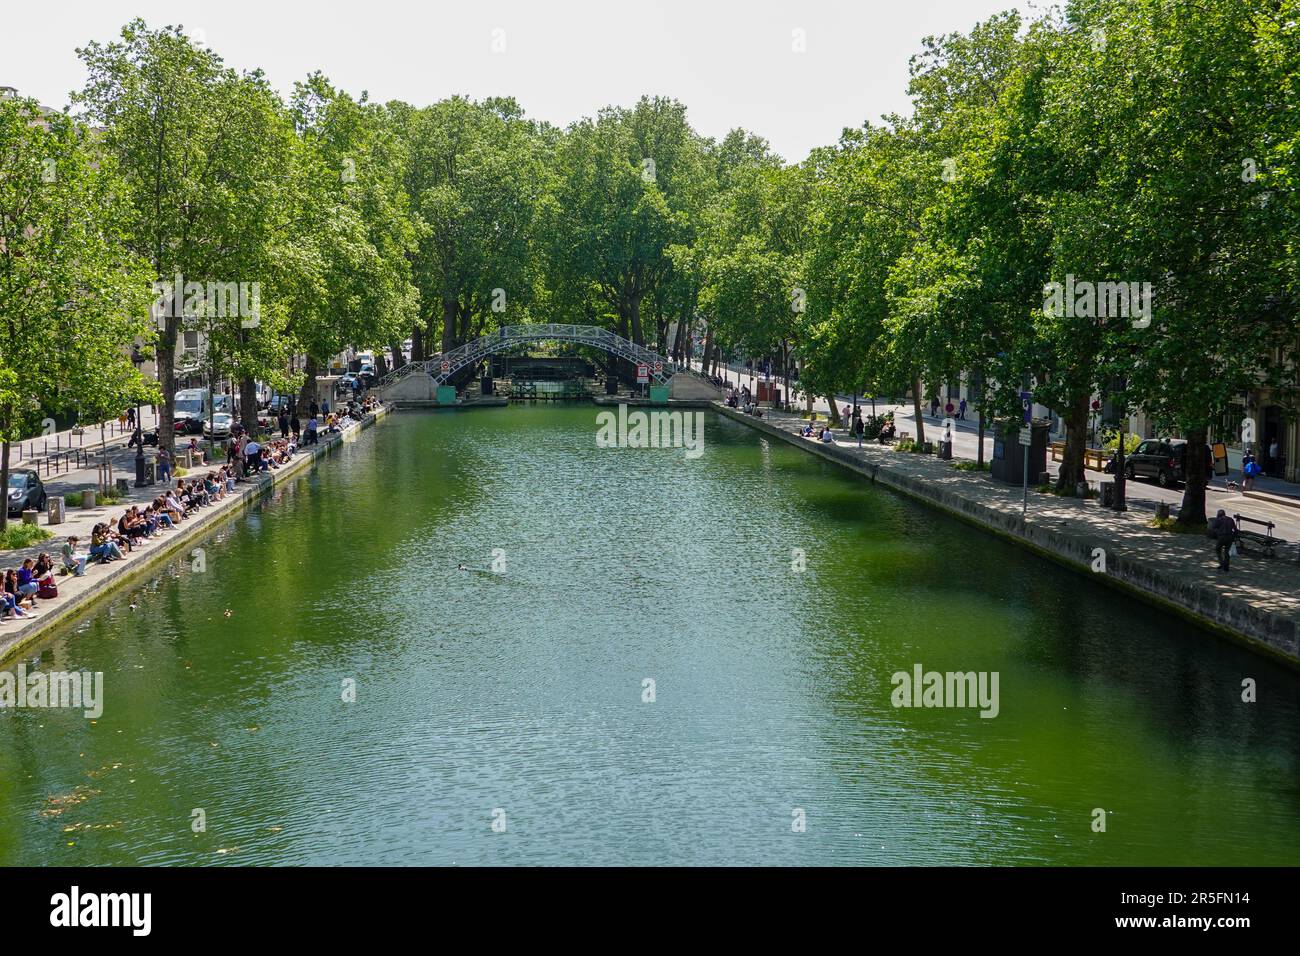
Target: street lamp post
137, 360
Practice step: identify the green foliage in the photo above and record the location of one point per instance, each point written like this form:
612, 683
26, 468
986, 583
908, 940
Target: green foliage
17, 536
1111, 441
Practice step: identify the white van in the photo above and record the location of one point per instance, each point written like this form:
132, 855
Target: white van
191, 406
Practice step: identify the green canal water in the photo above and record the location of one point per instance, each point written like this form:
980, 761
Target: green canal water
520, 696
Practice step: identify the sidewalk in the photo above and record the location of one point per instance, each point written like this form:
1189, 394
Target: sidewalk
1258, 600
110, 433
1273, 499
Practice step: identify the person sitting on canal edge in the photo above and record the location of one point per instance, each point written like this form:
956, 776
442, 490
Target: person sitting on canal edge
1224, 531
71, 560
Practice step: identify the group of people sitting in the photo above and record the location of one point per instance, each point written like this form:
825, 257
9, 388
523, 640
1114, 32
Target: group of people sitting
245, 456
743, 400
111, 540
824, 434
24, 585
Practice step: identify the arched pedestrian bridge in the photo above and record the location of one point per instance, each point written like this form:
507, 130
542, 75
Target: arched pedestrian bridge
420, 381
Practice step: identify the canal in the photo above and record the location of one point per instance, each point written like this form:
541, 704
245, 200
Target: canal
685, 661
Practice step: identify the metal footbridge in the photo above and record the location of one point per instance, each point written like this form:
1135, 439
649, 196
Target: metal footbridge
442, 367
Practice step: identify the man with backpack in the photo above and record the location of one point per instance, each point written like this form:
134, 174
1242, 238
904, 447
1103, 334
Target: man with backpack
1250, 470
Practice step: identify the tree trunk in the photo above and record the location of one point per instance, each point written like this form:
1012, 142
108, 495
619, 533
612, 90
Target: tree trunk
916, 410
785, 374
708, 351
307, 394
679, 349
4, 483
165, 352
464, 327
395, 350
1191, 513
1076, 440
248, 405
417, 344
979, 452
835, 411
634, 311
448, 325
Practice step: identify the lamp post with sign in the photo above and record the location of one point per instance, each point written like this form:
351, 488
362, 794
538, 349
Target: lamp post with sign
1118, 387
137, 360
1026, 440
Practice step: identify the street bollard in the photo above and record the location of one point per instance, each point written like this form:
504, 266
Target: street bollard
88, 499
56, 510
29, 515
123, 487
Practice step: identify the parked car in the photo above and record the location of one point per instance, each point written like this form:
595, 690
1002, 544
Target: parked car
1159, 458
25, 491
348, 383
219, 427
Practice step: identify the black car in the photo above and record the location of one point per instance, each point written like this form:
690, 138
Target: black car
25, 492
1161, 459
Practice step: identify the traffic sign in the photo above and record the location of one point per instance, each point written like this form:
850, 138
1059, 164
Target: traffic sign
1026, 436
1027, 400
642, 373
446, 366
659, 368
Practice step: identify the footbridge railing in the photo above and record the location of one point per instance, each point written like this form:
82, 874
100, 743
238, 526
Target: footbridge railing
443, 366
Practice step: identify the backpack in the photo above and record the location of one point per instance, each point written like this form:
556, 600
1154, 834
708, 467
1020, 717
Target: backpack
1253, 468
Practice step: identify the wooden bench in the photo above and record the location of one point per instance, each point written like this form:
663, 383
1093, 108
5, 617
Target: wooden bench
1094, 458
1265, 540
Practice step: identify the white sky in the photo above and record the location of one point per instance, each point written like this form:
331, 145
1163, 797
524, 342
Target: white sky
730, 62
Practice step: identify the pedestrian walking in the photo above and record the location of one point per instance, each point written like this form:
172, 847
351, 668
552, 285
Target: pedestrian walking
949, 409
284, 424
1224, 531
934, 407
164, 466
961, 410
1250, 470
130, 417
1273, 462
